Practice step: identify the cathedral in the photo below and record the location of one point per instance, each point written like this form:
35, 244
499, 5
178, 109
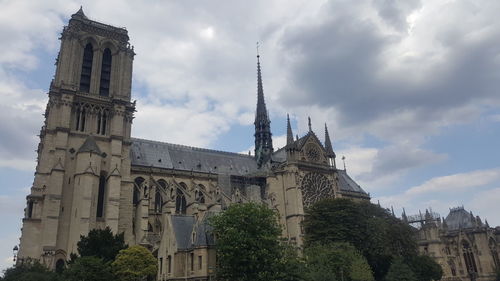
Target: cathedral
464, 246
92, 174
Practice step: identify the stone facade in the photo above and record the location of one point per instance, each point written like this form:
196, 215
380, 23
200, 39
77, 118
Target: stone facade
92, 174
464, 246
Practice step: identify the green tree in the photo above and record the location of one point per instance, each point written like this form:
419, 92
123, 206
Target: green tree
248, 246
336, 261
371, 229
291, 266
30, 271
101, 243
88, 268
399, 271
425, 268
135, 263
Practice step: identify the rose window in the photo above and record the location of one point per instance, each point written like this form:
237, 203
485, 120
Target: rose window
315, 187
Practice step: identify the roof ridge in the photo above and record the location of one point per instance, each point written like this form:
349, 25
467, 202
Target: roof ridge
194, 147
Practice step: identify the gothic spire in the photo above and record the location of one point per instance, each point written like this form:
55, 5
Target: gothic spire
328, 144
80, 13
263, 136
261, 104
289, 133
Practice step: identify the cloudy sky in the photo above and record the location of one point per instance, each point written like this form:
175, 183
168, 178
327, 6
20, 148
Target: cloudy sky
409, 89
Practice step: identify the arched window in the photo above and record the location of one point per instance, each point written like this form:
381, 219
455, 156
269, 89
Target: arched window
60, 265
29, 212
105, 73
200, 198
180, 202
101, 122
183, 185
88, 56
158, 201
80, 115
453, 269
137, 194
169, 264
163, 184
100, 196
470, 262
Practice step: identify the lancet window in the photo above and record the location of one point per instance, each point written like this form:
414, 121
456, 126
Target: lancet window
137, 194
102, 120
470, 262
105, 73
29, 211
100, 196
81, 118
180, 202
88, 56
158, 201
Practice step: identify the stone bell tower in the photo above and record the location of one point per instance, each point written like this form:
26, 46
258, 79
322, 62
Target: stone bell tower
82, 179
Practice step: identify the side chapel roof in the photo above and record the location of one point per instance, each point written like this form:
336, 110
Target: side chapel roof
346, 183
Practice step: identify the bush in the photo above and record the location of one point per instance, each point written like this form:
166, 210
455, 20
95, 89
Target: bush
134, 263
30, 271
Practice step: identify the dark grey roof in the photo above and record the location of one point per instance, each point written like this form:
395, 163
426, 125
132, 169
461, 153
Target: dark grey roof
183, 227
459, 218
89, 146
346, 183
204, 232
174, 156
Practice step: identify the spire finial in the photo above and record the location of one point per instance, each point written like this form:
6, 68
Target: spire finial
289, 133
343, 160
309, 123
328, 144
258, 56
80, 13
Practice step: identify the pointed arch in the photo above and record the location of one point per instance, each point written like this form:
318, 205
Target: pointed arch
137, 192
158, 201
100, 195
163, 184
180, 202
88, 56
470, 262
102, 120
29, 212
105, 73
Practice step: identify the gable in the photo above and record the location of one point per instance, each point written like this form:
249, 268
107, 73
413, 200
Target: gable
311, 149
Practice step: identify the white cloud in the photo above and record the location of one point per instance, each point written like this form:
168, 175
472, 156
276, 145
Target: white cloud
398, 72
470, 189
456, 182
485, 204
